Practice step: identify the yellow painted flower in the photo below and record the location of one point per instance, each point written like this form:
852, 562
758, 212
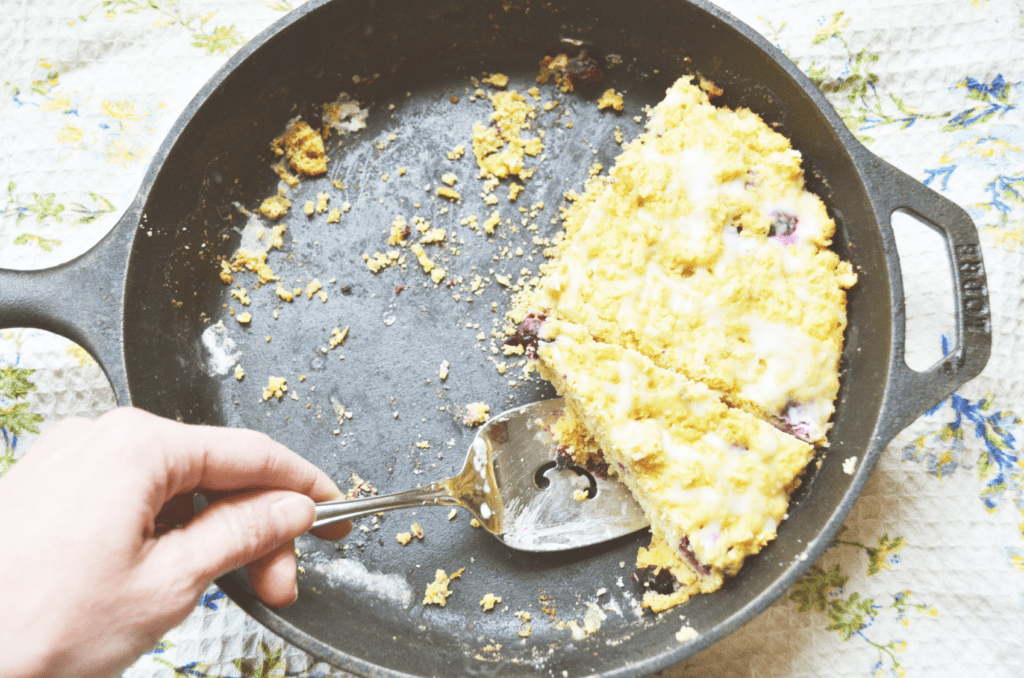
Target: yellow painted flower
1009, 237
70, 135
900, 646
60, 102
124, 154
80, 355
120, 110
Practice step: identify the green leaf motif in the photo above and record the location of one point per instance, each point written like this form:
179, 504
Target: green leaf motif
270, 661
847, 617
812, 590
17, 419
877, 557
14, 382
220, 40
45, 244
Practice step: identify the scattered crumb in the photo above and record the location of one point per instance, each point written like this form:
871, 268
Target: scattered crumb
686, 633
437, 592
283, 294
489, 601
457, 152
321, 202
449, 179
303, 148
239, 372
452, 514
338, 337
850, 465
403, 538
417, 531
313, 286
242, 296
610, 100
276, 388
579, 494
244, 318
309, 208
274, 207
474, 523
476, 414
499, 80
449, 193
443, 370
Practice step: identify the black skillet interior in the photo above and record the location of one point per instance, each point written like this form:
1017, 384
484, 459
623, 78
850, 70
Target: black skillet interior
361, 607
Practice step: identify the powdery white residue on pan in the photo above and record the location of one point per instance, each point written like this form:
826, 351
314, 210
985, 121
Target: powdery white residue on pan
256, 237
353, 574
221, 349
344, 114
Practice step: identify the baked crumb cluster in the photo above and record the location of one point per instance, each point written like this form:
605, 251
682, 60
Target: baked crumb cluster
693, 319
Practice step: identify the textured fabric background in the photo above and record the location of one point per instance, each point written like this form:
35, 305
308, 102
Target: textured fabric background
928, 577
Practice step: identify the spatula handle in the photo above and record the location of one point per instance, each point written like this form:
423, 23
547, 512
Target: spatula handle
328, 512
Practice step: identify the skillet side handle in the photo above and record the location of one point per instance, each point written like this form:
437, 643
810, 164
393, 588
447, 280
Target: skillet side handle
82, 300
910, 393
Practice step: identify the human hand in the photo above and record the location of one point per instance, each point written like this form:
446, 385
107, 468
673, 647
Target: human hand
91, 573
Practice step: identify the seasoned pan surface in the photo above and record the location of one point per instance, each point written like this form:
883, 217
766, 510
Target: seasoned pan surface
360, 605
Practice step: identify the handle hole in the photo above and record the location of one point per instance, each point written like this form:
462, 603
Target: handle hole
542, 481
927, 287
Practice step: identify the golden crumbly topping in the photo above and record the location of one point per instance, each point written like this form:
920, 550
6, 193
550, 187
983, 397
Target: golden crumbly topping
703, 471
744, 294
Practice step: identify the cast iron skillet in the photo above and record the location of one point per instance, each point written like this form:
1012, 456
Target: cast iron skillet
140, 300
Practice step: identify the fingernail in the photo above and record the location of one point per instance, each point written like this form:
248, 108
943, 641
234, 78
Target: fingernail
293, 515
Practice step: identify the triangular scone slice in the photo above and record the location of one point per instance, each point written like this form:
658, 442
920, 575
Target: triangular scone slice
704, 251
714, 480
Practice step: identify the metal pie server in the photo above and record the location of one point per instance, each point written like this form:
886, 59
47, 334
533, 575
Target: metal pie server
514, 485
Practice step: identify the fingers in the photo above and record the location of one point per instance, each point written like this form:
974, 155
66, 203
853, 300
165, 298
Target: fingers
273, 576
334, 531
233, 532
211, 458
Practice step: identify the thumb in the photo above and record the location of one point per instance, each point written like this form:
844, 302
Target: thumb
235, 531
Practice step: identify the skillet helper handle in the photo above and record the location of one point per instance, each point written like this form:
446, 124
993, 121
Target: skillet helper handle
911, 393
82, 300
328, 512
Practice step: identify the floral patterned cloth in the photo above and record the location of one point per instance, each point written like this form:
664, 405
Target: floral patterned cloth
927, 576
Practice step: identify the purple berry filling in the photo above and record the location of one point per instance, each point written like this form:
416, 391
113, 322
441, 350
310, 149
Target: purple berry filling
656, 579
583, 69
686, 552
526, 334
